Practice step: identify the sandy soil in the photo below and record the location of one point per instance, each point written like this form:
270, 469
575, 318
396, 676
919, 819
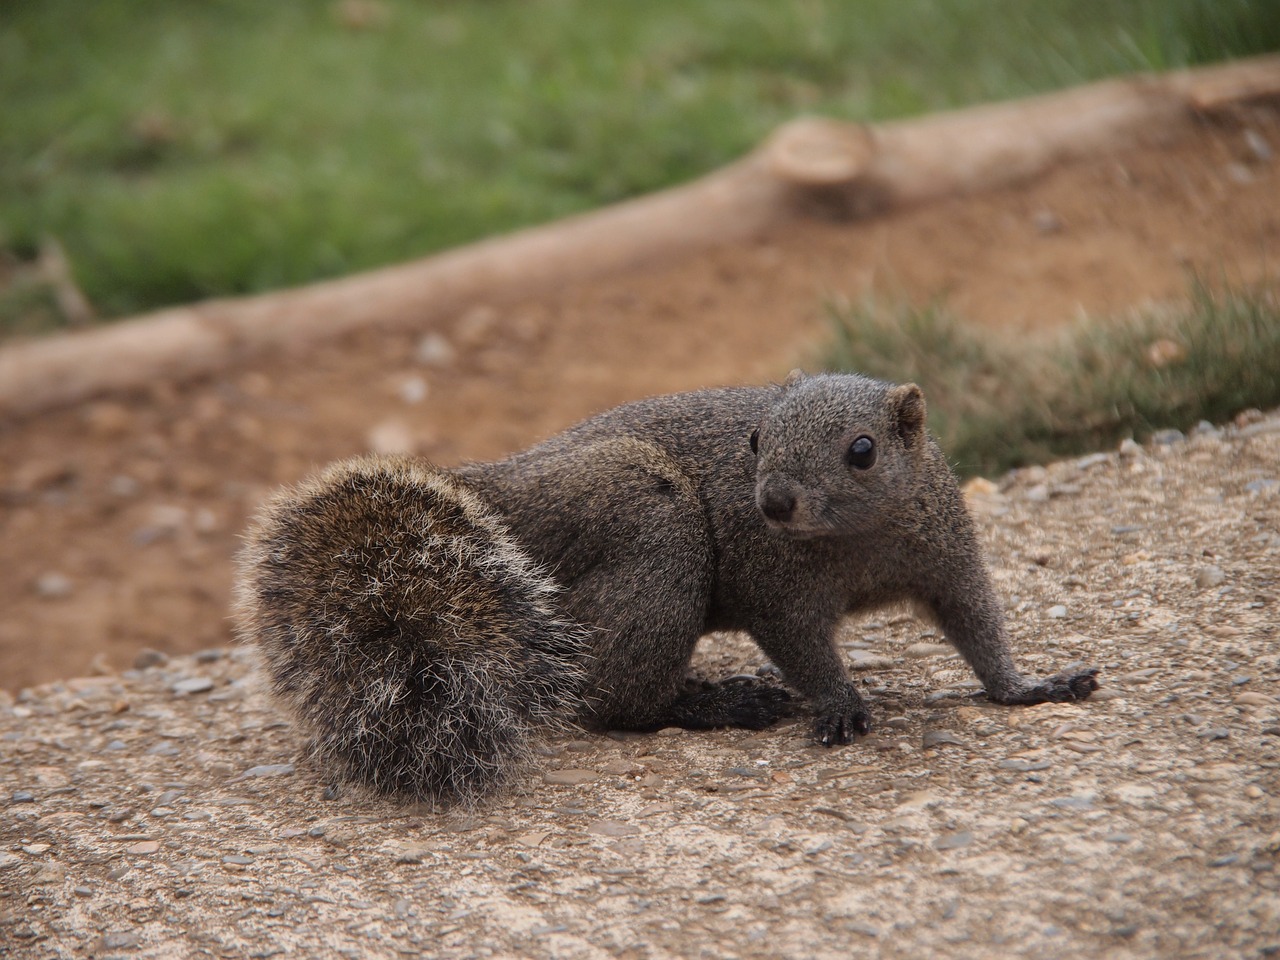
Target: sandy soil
160, 812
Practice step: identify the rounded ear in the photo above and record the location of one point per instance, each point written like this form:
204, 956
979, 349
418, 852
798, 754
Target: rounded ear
907, 403
794, 377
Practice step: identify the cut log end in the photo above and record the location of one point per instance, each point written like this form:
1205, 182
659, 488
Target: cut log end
817, 152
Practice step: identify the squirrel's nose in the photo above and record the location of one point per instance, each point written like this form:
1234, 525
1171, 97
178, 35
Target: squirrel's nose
778, 506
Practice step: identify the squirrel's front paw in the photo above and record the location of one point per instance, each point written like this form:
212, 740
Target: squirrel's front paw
1074, 683
842, 725
1065, 686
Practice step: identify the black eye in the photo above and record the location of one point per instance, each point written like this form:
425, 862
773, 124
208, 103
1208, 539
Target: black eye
862, 453
755, 441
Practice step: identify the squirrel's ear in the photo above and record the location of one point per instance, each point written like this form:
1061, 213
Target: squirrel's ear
794, 377
907, 401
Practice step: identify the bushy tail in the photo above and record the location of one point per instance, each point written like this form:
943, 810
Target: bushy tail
416, 643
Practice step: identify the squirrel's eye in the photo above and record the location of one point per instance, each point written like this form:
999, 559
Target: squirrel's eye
862, 453
755, 441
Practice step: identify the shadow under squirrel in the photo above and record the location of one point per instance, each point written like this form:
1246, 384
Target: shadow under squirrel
423, 623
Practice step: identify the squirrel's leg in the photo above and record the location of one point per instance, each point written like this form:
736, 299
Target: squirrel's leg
642, 651
636, 559
974, 624
745, 702
816, 669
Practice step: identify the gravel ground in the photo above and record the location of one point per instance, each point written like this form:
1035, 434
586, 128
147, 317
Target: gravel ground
159, 812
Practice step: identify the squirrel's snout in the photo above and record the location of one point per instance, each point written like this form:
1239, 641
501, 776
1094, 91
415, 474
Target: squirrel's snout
777, 505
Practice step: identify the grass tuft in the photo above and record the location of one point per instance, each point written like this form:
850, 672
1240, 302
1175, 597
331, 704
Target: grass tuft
995, 404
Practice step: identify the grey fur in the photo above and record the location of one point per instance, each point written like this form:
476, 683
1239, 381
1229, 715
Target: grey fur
659, 524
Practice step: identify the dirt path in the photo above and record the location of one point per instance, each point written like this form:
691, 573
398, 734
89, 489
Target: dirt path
159, 812
118, 519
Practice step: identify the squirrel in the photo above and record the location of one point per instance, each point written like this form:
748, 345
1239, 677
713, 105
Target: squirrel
425, 624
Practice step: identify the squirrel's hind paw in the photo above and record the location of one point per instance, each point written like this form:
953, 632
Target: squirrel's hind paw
759, 706
740, 701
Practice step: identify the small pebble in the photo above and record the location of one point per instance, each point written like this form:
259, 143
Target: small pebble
1258, 145
612, 828
413, 390
569, 778
1047, 222
410, 852
1210, 576
1073, 803
937, 738
954, 841
864, 660
1093, 460
920, 651
266, 770
1023, 766
53, 585
22, 796
1056, 612
118, 940
189, 685
1239, 172
435, 351
1252, 698
147, 658
123, 486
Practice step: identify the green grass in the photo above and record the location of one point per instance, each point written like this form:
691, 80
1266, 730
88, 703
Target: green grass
181, 149
995, 403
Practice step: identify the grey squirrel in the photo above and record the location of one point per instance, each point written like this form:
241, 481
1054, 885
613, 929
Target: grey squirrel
423, 624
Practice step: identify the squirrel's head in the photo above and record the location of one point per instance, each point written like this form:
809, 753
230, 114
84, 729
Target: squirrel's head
838, 454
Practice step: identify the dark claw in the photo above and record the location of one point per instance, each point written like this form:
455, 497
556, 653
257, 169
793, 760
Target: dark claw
831, 729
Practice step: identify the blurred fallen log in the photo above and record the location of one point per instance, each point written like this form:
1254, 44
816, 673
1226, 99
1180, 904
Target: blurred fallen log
809, 167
